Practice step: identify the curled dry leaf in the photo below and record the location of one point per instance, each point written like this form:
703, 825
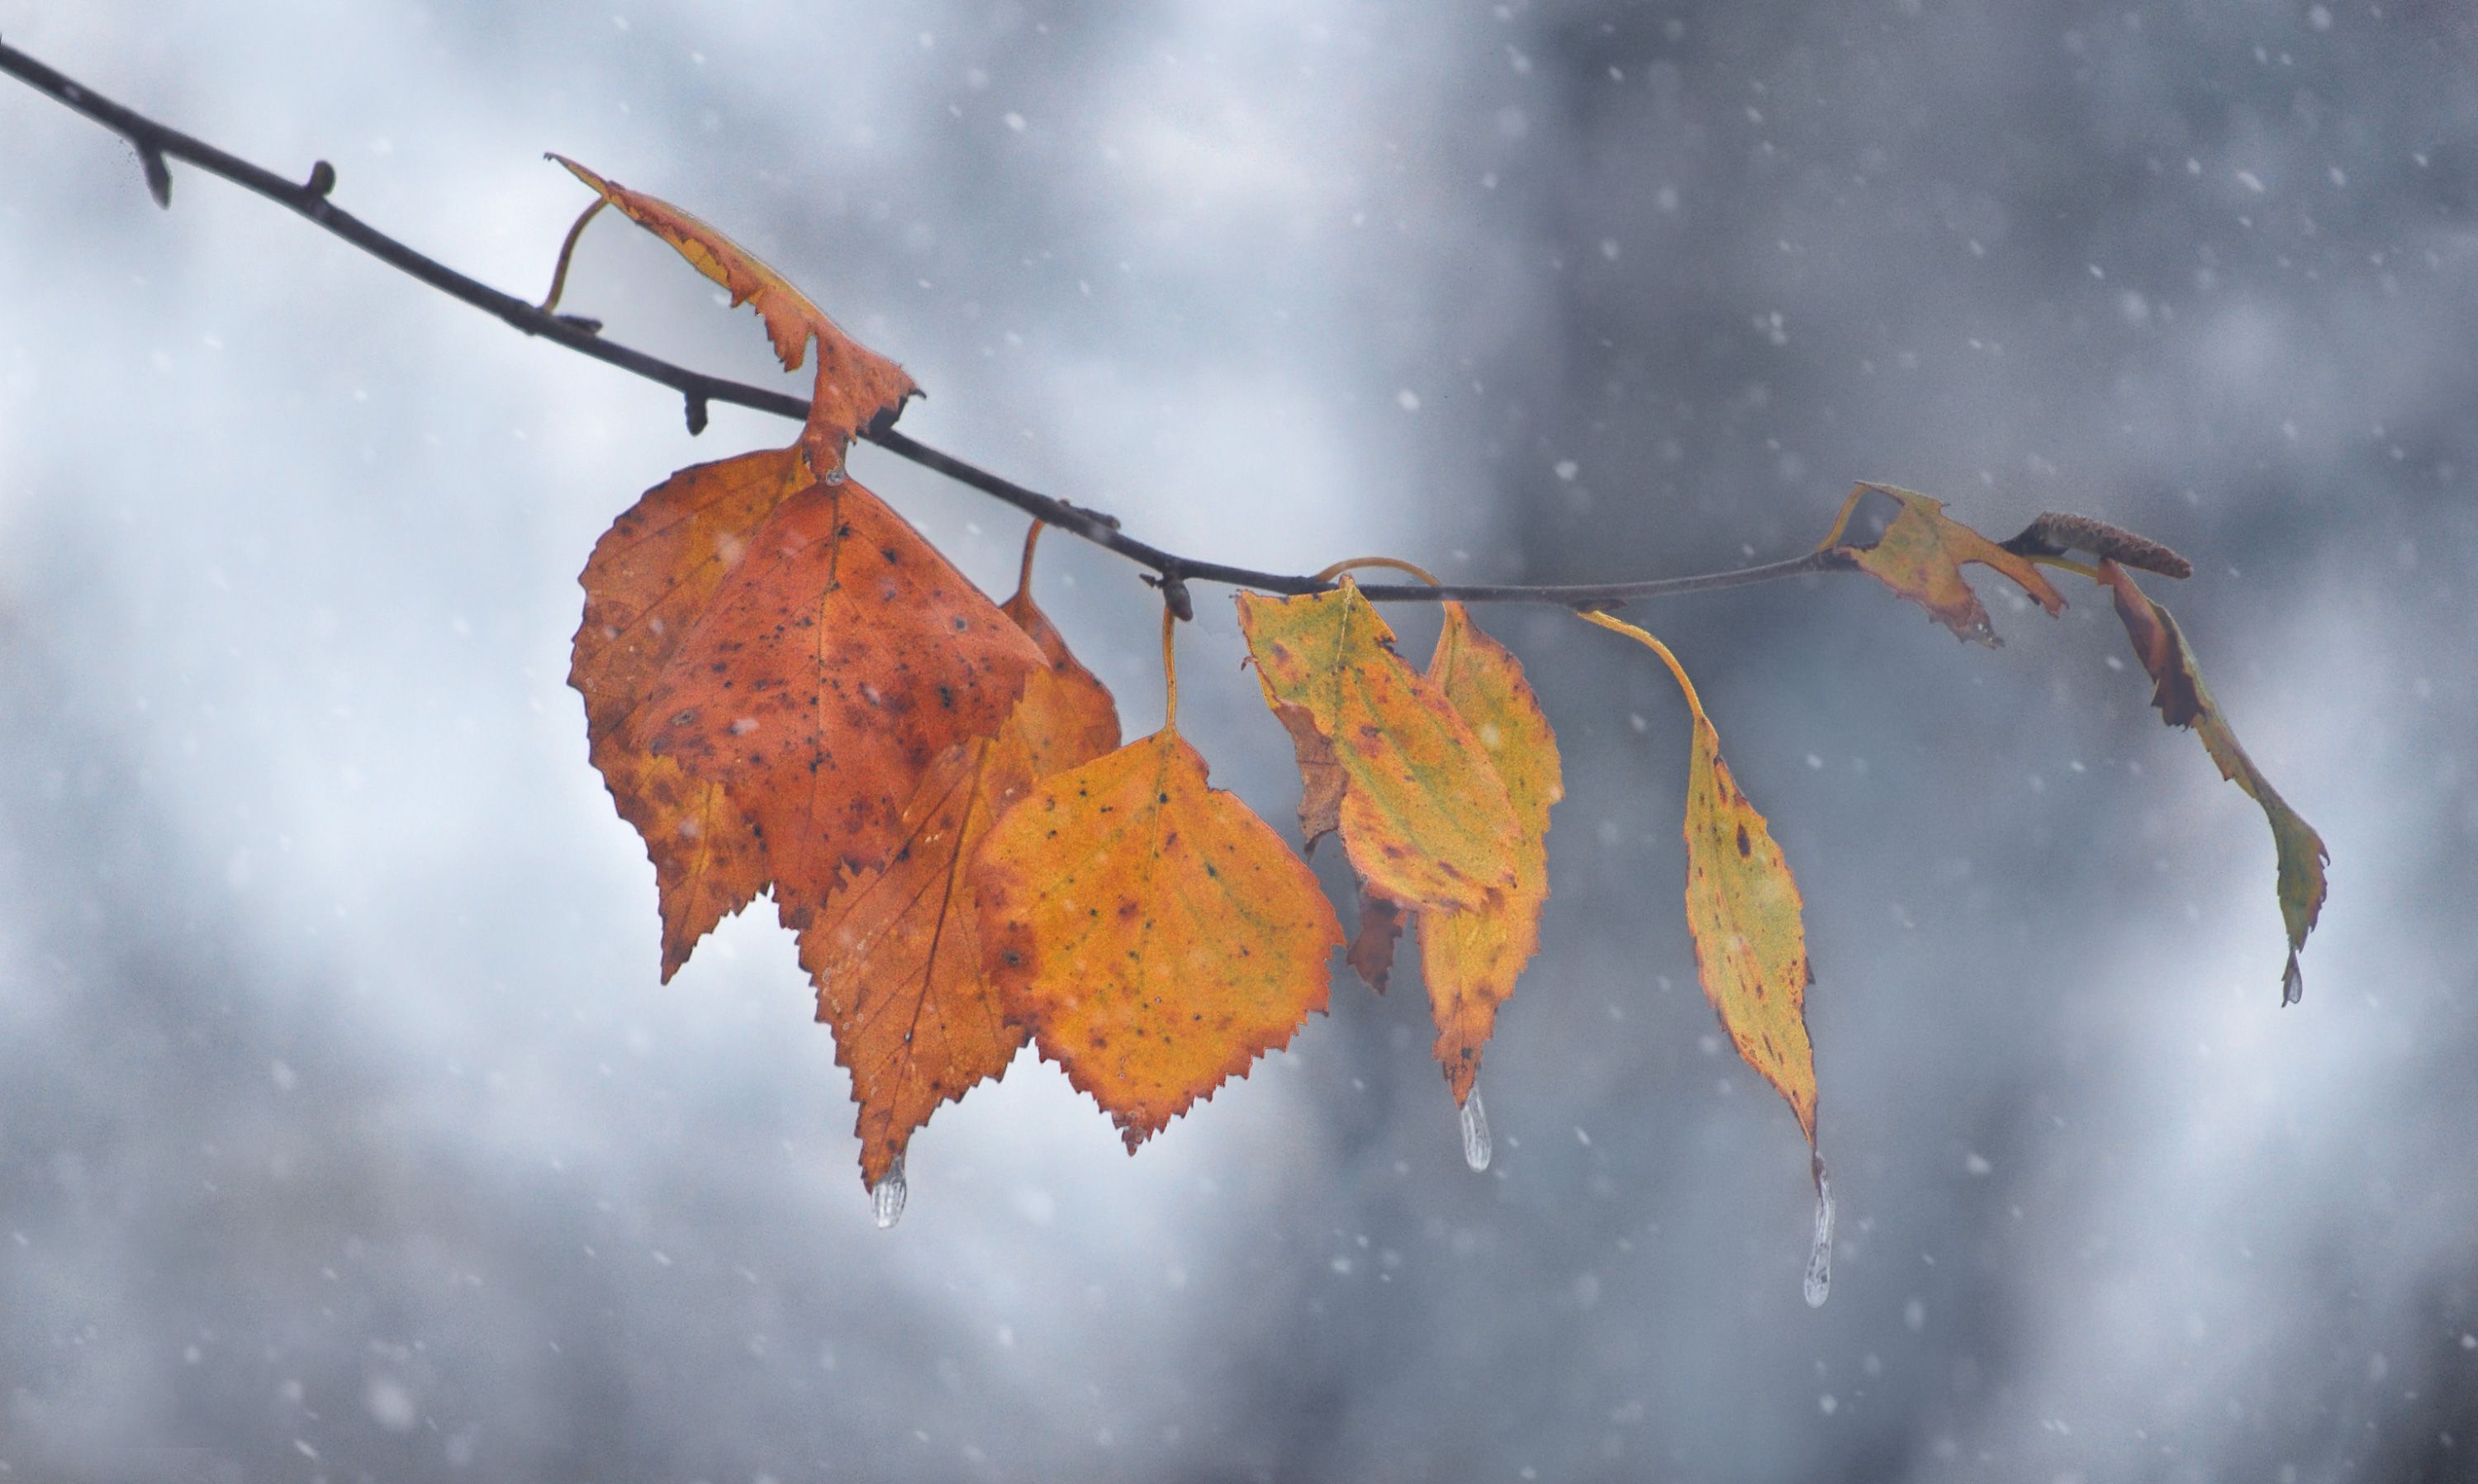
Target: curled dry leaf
1921, 554
2183, 700
1423, 814
1154, 933
1743, 910
854, 385
2055, 533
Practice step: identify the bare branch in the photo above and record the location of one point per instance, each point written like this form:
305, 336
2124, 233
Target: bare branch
157, 143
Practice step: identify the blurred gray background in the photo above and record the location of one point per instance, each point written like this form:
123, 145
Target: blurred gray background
345, 1133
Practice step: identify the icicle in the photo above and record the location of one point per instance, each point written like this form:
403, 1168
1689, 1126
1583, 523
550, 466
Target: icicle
1474, 1131
886, 1197
1819, 1258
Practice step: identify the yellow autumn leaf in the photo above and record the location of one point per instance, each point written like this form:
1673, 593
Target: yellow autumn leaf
1469, 958
1423, 814
1921, 554
1743, 910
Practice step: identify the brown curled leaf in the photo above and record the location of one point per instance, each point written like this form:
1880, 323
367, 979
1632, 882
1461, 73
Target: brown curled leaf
1372, 947
2183, 700
2055, 533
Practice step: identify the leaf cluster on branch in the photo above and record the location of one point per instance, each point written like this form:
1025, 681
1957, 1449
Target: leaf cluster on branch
788, 687
790, 693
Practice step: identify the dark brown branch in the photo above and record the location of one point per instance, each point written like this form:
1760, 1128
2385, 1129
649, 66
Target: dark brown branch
157, 143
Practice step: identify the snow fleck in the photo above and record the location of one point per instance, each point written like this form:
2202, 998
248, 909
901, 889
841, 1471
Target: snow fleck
1566, 469
390, 1404
1408, 400
1038, 1207
1977, 1165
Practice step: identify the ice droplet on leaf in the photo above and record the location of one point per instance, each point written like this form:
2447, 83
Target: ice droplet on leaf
1475, 1120
887, 1197
1819, 1257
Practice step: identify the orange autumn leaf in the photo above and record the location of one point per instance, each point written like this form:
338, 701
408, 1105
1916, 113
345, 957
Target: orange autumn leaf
1154, 933
1921, 554
2183, 700
708, 860
854, 385
896, 955
1423, 814
1469, 958
652, 573
796, 646
1743, 911
1067, 717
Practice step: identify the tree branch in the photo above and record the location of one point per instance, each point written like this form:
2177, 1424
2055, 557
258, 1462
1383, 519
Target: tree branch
157, 143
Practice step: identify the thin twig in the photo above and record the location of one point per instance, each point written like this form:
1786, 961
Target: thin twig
157, 143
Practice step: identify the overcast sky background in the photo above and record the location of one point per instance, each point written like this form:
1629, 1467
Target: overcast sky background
345, 1133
